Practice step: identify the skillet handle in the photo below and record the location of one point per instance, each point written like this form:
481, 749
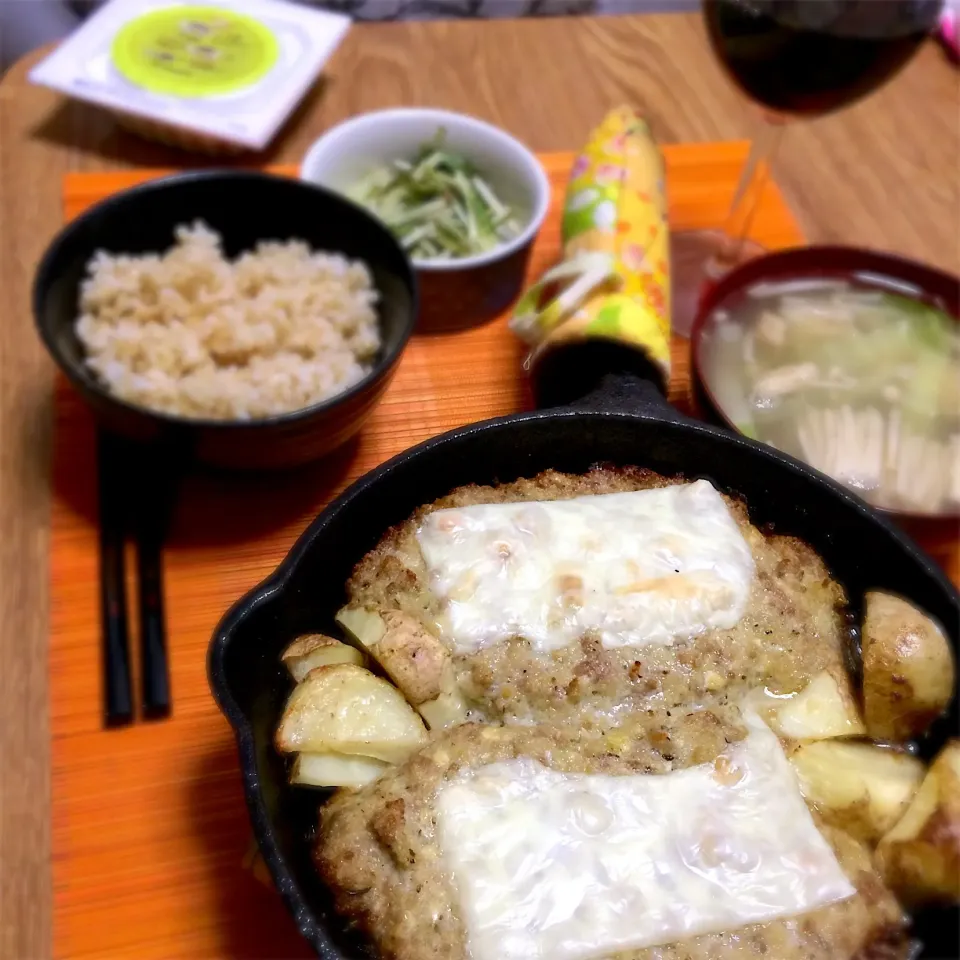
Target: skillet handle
602, 376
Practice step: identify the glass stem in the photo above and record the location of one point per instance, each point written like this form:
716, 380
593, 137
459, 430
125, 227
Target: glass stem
746, 198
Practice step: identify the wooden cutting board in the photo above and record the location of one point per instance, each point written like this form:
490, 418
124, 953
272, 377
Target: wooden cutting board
150, 831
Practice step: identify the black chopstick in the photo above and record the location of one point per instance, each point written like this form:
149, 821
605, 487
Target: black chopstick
118, 700
154, 495
136, 486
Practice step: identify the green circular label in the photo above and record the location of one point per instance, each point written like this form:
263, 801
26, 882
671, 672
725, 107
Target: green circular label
194, 51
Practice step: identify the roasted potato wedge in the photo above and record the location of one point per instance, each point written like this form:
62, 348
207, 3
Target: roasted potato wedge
362, 625
317, 650
858, 787
920, 857
446, 710
825, 708
335, 770
345, 709
412, 657
908, 668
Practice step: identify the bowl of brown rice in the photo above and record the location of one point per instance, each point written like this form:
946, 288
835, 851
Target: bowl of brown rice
248, 319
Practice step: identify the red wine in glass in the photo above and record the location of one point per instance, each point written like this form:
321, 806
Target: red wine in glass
798, 58
808, 57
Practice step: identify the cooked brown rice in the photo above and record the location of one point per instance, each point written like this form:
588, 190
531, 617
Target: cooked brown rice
189, 332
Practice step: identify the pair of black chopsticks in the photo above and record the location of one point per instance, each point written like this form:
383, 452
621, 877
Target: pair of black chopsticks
136, 492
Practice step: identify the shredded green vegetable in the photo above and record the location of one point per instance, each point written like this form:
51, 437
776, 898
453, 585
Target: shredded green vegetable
437, 204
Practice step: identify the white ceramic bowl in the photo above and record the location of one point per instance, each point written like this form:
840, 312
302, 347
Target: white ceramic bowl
348, 152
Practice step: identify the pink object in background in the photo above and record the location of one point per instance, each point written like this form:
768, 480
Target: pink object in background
950, 27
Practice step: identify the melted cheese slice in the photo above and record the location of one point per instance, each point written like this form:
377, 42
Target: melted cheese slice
650, 566
551, 866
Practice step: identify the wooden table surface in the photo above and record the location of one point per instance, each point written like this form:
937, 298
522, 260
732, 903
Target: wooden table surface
881, 174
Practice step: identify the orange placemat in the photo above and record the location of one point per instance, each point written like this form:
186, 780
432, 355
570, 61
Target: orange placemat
150, 829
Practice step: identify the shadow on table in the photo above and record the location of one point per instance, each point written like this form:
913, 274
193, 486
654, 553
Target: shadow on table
252, 921
210, 507
86, 129
215, 507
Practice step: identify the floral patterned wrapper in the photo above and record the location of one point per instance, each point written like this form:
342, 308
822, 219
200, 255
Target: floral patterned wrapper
614, 279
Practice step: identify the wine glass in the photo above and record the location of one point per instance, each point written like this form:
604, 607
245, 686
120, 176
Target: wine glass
794, 58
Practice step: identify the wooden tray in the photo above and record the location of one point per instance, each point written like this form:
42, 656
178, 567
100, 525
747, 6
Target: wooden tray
150, 830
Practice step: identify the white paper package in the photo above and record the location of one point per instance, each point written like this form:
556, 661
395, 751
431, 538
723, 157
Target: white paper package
232, 71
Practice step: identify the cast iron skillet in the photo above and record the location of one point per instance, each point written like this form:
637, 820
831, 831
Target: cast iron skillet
621, 419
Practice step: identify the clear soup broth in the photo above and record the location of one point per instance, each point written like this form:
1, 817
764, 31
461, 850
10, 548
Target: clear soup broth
859, 379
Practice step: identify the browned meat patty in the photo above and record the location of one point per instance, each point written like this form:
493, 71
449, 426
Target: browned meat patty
793, 628
378, 851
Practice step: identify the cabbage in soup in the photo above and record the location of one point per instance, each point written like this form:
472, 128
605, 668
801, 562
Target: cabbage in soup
861, 382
